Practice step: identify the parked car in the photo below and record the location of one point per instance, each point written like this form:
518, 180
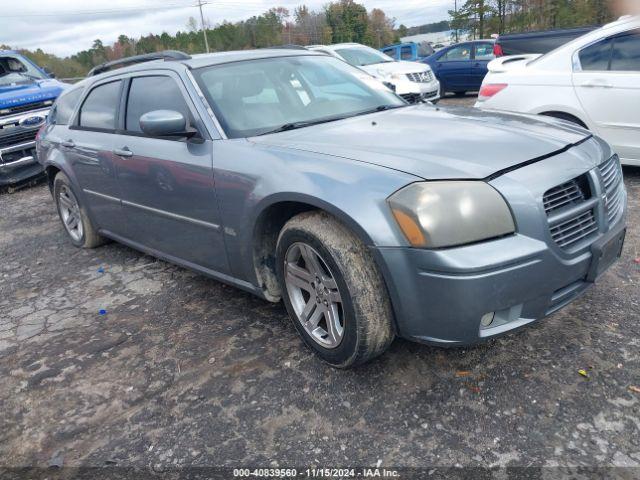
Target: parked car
536, 42
296, 181
461, 68
413, 81
593, 82
26, 95
408, 51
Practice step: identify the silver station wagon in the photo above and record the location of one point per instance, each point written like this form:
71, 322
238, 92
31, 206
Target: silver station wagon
289, 174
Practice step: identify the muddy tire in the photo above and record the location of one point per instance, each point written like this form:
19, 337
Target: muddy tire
333, 291
73, 215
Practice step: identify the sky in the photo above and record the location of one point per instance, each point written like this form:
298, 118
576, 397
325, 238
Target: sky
64, 27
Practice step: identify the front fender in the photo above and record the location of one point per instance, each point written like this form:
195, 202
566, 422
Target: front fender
252, 178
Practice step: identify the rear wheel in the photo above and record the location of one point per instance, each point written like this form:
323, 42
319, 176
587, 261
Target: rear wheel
73, 215
333, 291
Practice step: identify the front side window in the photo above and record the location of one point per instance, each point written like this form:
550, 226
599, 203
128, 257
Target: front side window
463, 52
363, 56
625, 56
484, 51
260, 96
16, 70
147, 94
65, 106
596, 57
99, 109
406, 53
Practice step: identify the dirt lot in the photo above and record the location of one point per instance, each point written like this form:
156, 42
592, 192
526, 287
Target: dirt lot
184, 371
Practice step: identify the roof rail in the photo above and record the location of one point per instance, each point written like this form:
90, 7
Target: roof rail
287, 47
147, 57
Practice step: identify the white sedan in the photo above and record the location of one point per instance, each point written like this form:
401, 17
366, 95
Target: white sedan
593, 81
413, 81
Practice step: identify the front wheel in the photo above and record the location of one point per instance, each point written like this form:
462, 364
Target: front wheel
333, 291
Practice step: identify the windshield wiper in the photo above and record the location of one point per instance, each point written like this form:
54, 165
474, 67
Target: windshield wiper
296, 125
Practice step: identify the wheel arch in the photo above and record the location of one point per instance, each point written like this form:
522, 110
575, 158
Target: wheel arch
272, 214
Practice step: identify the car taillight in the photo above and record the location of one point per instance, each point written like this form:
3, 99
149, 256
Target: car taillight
497, 50
490, 89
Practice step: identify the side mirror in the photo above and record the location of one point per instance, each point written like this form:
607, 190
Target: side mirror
49, 72
165, 123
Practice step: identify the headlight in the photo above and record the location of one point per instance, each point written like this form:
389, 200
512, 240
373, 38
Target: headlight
450, 213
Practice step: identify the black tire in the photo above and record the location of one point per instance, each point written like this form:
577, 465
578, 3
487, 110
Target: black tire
366, 309
90, 237
566, 116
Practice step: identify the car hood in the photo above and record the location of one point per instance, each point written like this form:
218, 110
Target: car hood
24, 93
435, 143
389, 68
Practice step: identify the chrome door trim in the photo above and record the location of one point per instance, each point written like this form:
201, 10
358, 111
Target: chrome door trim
157, 211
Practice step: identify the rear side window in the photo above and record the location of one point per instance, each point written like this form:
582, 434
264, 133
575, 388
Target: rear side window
596, 57
147, 94
406, 53
463, 52
65, 106
484, 51
100, 107
626, 53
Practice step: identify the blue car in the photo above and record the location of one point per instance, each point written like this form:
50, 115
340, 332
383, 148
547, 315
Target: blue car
409, 51
461, 68
27, 93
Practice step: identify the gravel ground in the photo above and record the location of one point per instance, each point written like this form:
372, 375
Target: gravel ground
184, 371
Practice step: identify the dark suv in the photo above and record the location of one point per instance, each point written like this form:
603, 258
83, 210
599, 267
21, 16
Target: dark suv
289, 175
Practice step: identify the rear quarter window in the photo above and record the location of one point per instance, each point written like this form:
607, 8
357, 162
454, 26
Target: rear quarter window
65, 106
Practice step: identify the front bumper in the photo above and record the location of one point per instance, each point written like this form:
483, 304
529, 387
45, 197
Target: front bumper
18, 163
415, 91
440, 296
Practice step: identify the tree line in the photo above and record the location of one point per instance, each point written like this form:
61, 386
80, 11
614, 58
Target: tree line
482, 18
338, 21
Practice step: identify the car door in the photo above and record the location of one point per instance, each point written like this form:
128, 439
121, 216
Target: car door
167, 183
89, 148
453, 67
607, 84
482, 55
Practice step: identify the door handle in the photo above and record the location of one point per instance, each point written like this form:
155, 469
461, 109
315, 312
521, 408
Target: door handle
123, 152
68, 144
596, 85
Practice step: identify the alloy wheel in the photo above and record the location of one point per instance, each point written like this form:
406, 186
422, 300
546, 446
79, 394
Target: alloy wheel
70, 213
314, 295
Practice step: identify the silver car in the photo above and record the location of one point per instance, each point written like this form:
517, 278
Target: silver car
284, 174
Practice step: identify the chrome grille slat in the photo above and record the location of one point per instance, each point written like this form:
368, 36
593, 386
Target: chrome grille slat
17, 137
612, 183
420, 77
574, 230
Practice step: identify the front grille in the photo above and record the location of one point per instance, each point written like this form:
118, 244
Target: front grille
611, 175
574, 229
25, 108
412, 97
17, 138
573, 208
569, 221
570, 193
420, 77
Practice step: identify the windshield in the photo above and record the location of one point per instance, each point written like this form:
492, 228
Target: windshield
261, 96
363, 56
14, 70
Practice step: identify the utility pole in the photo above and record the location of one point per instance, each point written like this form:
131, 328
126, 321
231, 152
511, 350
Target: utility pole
204, 31
455, 8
